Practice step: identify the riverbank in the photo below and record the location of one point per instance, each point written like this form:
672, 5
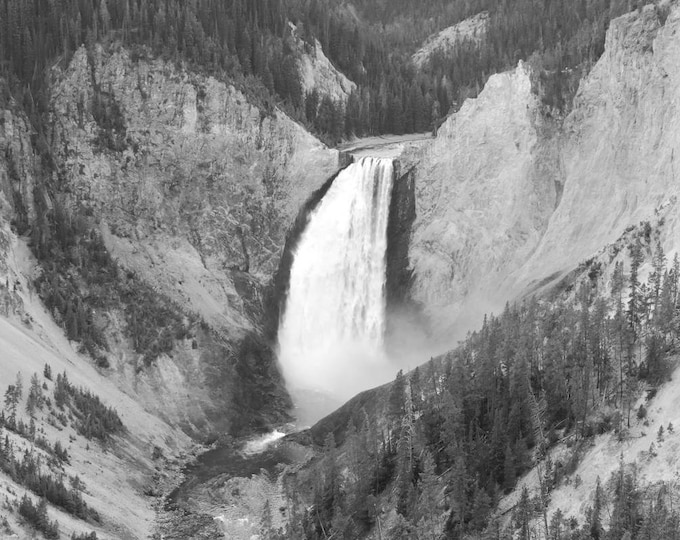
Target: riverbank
222, 492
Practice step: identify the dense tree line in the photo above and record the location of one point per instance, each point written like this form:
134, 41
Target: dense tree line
36, 516
251, 43
93, 418
90, 417
457, 433
29, 433
27, 470
84, 536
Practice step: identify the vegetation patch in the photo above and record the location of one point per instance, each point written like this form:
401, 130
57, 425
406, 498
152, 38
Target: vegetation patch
444, 443
81, 284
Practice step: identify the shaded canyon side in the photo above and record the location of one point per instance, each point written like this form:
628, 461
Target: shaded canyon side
407, 326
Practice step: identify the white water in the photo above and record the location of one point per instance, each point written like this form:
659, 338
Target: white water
259, 444
331, 334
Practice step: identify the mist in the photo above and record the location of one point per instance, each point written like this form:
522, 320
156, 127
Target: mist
331, 335
336, 336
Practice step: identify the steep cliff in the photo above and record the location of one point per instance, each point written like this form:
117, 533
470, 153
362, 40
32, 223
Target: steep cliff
485, 189
509, 197
18, 167
190, 156
187, 191
618, 146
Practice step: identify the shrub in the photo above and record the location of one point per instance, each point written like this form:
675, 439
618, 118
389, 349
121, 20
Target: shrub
93, 419
26, 469
84, 536
37, 517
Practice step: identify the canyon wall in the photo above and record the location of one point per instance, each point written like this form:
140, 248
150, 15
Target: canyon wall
510, 196
191, 189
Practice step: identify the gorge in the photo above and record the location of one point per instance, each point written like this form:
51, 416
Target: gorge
185, 268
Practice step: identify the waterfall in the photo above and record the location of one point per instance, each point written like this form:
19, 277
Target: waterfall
331, 333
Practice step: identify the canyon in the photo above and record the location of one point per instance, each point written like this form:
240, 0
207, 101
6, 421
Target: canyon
199, 193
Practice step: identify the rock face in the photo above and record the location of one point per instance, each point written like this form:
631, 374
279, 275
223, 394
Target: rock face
507, 197
619, 146
192, 189
471, 29
18, 167
161, 152
484, 195
400, 221
318, 73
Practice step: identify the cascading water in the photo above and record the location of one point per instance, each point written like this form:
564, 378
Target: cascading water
331, 333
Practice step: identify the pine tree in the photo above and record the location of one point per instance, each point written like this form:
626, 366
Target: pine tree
656, 278
328, 497
523, 514
457, 492
428, 515
599, 345
634, 300
11, 404
12, 398
595, 524
664, 314
556, 526
312, 105
619, 324
19, 386
405, 467
481, 506
625, 518
35, 395
509, 471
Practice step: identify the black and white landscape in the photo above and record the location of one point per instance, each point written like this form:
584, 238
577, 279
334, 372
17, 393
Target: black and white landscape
340, 269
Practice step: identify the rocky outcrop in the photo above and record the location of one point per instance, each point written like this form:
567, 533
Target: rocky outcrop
508, 197
317, 73
472, 29
18, 167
